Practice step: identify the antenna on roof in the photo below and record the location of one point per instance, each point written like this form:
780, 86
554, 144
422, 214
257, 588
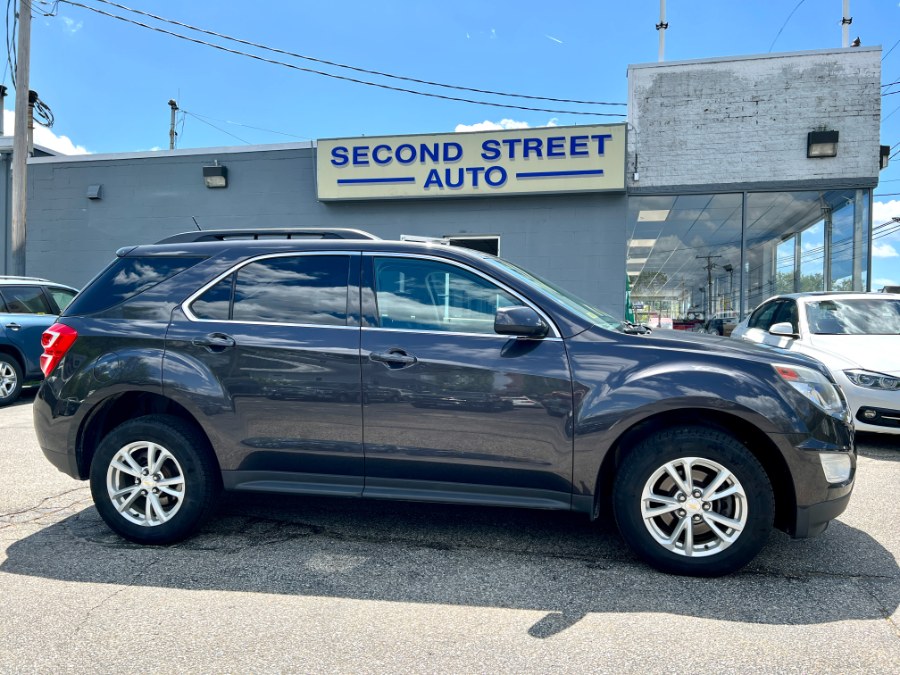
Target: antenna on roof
197, 224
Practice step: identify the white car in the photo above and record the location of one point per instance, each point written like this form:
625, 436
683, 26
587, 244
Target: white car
856, 336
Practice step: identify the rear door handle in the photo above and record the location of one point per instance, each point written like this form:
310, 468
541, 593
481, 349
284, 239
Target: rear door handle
214, 342
394, 358
13, 326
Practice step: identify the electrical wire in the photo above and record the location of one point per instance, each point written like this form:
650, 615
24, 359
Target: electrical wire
357, 69
248, 126
891, 49
334, 75
778, 34
214, 126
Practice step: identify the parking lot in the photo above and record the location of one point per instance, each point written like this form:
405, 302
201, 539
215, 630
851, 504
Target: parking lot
330, 585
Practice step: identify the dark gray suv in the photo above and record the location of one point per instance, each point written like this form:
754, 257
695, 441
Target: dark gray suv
330, 363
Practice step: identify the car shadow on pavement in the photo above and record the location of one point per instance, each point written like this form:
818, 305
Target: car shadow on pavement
552, 562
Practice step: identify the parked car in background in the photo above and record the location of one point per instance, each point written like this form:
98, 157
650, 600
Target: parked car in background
720, 325
163, 381
28, 307
856, 335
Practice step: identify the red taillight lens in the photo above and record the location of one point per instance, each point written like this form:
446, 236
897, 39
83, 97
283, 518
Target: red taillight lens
56, 341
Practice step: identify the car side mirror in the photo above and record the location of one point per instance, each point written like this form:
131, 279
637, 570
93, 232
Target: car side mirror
520, 321
783, 329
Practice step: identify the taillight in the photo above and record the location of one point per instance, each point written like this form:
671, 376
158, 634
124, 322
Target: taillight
56, 341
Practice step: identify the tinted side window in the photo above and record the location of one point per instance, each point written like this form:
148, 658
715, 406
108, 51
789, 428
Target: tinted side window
297, 289
762, 317
428, 295
62, 297
126, 278
25, 300
215, 303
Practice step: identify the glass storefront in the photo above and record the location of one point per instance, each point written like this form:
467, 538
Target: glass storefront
692, 257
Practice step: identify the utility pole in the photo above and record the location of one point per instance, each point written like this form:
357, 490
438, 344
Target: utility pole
172, 132
20, 141
710, 265
661, 29
846, 20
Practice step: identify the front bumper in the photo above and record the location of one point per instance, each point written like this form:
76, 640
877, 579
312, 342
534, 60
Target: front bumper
813, 520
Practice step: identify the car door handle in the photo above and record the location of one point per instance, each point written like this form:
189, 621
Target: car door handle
214, 342
394, 358
13, 326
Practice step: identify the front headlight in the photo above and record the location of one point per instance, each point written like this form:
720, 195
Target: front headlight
814, 386
870, 380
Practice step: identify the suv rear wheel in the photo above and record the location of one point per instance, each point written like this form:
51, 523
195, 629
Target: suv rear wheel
10, 379
692, 500
153, 480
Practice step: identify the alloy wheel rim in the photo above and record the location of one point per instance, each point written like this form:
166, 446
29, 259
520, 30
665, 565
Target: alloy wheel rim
8, 380
694, 507
145, 483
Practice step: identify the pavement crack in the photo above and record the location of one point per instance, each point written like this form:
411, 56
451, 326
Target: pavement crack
11, 518
885, 611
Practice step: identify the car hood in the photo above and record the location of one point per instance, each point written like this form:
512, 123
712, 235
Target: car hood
880, 353
702, 342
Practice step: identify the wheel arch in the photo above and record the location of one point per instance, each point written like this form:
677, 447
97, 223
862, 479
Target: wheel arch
12, 352
117, 409
750, 436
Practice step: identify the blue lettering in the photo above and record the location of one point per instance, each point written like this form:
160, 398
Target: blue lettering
490, 150
361, 155
376, 158
511, 144
339, 156
500, 176
433, 179
408, 150
460, 178
556, 146
578, 146
533, 145
448, 157
431, 153
474, 171
601, 139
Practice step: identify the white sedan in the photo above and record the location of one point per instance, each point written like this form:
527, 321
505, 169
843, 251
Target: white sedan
856, 336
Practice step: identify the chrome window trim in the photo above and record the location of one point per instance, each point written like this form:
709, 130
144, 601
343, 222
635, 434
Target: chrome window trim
496, 282
186, 305
459, 334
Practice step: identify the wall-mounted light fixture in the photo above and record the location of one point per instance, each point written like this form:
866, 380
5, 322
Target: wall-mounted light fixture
821, 144
884, 156
215, 176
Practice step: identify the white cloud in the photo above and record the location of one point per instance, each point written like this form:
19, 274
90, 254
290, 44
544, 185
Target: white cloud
884, 211
884, 251
557, 40
487, 125
45, 137
71, 25
884, 281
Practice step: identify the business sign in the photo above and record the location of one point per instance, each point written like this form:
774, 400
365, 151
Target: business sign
469, 164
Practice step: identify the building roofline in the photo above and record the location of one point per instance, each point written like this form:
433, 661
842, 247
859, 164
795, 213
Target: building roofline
188, 152
6, 147
754, 57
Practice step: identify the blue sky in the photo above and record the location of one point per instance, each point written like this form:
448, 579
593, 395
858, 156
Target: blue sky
108, 82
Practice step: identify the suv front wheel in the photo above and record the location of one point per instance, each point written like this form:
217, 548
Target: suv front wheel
153, 480
692, 500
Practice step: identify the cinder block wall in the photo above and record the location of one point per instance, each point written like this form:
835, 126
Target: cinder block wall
576, 241
745, 120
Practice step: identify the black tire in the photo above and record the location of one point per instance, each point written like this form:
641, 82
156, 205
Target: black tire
187, 467
643, 476
10, 380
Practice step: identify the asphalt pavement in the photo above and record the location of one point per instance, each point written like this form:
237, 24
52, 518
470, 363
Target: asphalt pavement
316, 585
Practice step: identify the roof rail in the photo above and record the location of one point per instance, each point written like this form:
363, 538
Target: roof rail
4, 277
273, 233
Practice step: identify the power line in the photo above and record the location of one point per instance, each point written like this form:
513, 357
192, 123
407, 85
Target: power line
248, 126
213, 125
890, 50
349, 67
778, 34
334, 75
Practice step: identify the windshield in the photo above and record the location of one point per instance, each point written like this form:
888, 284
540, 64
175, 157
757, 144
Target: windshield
563, 297
854, 316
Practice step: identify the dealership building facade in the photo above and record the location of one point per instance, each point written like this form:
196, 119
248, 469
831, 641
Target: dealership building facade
731, 180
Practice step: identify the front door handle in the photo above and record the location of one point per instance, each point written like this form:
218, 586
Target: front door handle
214, 342
394, 358
13, 326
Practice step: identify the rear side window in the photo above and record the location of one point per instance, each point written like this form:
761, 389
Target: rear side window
308, 289
25, 300
124, 279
